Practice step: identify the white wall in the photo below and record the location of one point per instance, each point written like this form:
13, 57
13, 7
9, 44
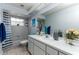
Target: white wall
64, 19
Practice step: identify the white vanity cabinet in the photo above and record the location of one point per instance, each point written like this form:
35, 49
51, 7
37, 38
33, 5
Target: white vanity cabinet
38, 46
51, 51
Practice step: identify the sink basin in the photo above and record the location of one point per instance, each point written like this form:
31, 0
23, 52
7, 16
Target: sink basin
48, 37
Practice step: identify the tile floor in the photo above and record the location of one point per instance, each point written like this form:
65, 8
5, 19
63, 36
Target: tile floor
19, 50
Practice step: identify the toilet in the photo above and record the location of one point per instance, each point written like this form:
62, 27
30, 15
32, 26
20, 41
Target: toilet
24, 43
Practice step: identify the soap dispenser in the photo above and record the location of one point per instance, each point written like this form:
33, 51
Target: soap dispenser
55, 35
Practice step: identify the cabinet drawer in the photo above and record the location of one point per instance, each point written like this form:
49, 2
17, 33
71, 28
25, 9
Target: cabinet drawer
39, 44
51, 51
38, 51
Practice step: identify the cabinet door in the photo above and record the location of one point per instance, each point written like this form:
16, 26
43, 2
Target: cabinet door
51, 51
40, 45
38, 51
30, 47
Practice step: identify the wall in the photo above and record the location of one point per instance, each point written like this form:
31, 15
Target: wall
64, 19
19, 33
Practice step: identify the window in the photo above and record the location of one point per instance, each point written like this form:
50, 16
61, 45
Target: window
17, 21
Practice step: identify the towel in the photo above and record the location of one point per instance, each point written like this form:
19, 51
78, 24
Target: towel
45, 30
2, 32
48, 30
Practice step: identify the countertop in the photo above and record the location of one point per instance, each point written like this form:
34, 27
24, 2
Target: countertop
60, 44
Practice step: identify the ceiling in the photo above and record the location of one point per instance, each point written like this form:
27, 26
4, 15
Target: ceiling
26, 6
41, 8
58, 8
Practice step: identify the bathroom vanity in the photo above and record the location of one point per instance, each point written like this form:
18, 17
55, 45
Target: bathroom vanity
40, 45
